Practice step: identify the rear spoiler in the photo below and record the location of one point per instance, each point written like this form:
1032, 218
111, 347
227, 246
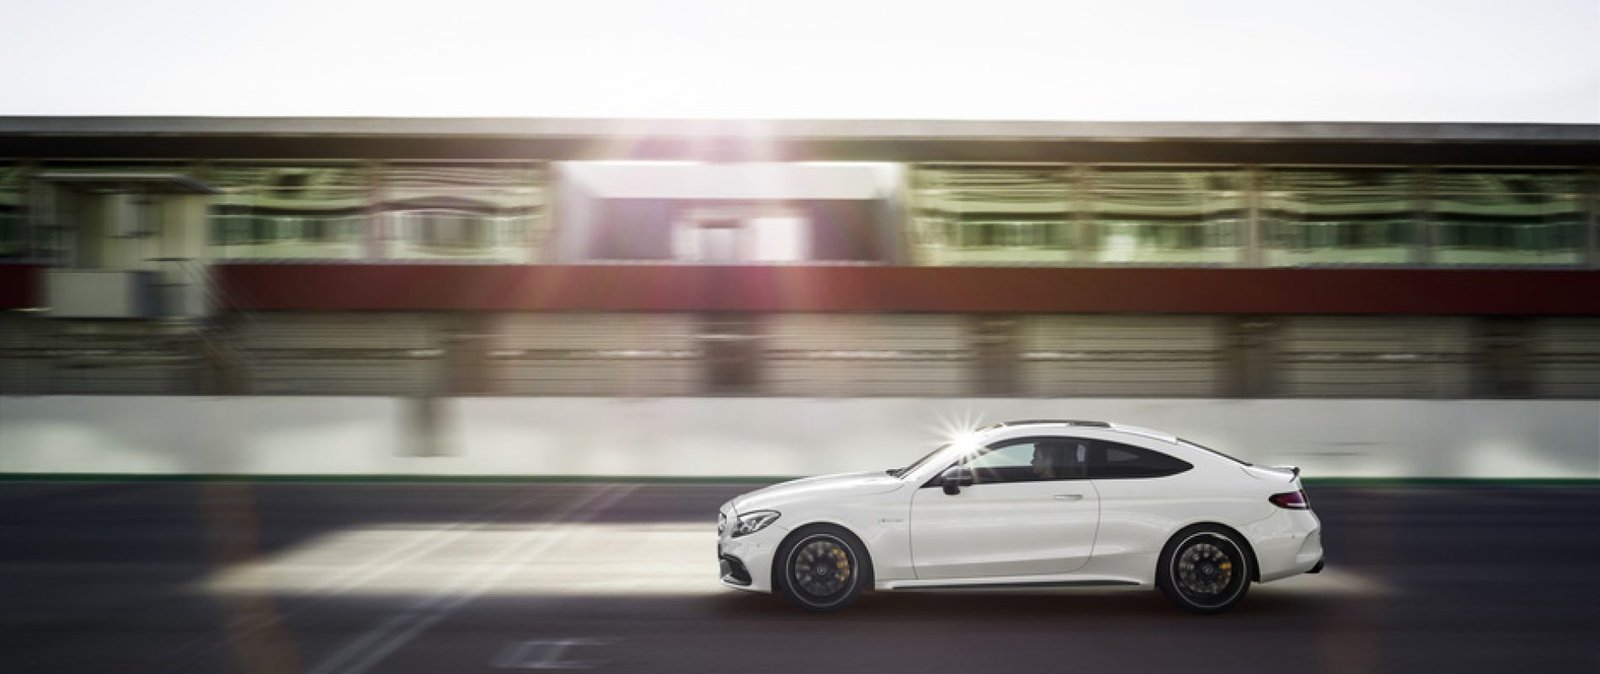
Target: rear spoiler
1272, 472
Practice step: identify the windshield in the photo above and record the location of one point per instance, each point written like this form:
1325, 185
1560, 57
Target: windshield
1197, 445
918, 463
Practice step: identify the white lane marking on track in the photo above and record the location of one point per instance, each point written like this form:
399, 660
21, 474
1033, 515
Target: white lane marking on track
551, 654
372, 568
595, 558
396, 632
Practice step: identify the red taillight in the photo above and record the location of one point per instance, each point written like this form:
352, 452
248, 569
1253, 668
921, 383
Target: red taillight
1293, 500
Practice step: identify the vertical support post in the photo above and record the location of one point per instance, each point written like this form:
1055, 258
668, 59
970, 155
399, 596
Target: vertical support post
1253, 255
1250, 357
911, 235
730, 348
895, 237
48, 237
377, 219
993, 343
1080, 202
1424, 253
30, 229
201, 170
1593, 183
540, 235
425, 408
465, 344
1504, 358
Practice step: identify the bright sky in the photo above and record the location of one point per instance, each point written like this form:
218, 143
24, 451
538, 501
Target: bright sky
1179, 60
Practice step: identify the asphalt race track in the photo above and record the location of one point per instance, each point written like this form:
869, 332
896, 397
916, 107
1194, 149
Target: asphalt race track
449, 578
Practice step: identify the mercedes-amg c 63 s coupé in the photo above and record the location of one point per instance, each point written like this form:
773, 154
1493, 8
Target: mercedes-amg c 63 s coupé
1050, 503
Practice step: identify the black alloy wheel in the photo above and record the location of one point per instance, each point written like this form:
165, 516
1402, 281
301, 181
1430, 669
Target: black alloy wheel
822, 568
1204, 570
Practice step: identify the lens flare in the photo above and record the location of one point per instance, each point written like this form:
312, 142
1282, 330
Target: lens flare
957, 427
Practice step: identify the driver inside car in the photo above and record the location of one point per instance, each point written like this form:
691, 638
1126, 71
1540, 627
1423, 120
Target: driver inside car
1058, 460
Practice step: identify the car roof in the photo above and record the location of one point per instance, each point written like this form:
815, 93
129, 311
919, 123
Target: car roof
1085, 423
1033, 422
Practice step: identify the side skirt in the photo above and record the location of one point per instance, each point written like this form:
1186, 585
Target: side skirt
908, 585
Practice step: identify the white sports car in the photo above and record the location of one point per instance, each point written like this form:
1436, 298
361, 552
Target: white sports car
1049, 503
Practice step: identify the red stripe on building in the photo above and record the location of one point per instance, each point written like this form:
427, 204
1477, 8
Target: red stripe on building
21, 286
672, 288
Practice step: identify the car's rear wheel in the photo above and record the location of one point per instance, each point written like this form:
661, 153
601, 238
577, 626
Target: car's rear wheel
1204, 569
822, 568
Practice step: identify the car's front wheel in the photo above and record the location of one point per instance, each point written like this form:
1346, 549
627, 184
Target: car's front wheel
1204, 569
822, 568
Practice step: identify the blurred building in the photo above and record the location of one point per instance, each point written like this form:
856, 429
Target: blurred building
434, 257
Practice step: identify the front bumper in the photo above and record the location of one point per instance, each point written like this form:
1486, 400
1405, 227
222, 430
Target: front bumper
750, 554
733, 571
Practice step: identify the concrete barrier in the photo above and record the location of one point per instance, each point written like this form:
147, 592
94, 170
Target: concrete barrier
688, 437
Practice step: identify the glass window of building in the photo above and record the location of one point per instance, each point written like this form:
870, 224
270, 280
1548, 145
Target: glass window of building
637, 230
113, 213
1510, 217
462, 212
991, 214
15, 241
1337, 216
290, 212
1166, 216
728, 213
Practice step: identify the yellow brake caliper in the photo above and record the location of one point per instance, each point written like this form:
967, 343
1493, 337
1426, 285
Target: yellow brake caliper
843, 562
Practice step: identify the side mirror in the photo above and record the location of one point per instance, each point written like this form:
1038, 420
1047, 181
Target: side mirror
956, 478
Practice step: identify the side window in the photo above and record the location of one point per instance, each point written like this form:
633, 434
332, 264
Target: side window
1030, 460
1114, 460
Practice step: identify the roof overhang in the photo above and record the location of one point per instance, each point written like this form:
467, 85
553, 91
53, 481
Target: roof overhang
797, 140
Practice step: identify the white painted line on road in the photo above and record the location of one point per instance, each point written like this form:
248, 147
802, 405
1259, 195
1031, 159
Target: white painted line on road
350, 577
405, 623
671, 558
394, 633
547, 654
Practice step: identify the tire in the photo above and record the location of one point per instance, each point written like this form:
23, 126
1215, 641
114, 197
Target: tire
1205, 569
822, 568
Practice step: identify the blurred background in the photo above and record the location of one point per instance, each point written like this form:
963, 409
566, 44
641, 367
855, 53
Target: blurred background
770, 296
349, 395
458, 385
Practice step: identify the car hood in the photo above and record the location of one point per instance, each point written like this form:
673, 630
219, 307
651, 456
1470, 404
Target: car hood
813, 488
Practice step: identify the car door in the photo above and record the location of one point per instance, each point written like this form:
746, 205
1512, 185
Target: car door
1137, 486
1030, 511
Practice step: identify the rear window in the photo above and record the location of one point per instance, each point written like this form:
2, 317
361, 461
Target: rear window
1197, 445
1114, 460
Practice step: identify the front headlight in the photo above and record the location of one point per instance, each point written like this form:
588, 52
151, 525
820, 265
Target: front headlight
752, 522
722, 523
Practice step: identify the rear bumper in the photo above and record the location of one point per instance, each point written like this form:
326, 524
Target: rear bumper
1288, 543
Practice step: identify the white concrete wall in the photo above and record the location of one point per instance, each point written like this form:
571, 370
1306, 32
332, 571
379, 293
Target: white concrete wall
761, 436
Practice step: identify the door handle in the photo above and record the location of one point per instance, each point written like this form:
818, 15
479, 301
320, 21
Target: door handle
1068, 497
